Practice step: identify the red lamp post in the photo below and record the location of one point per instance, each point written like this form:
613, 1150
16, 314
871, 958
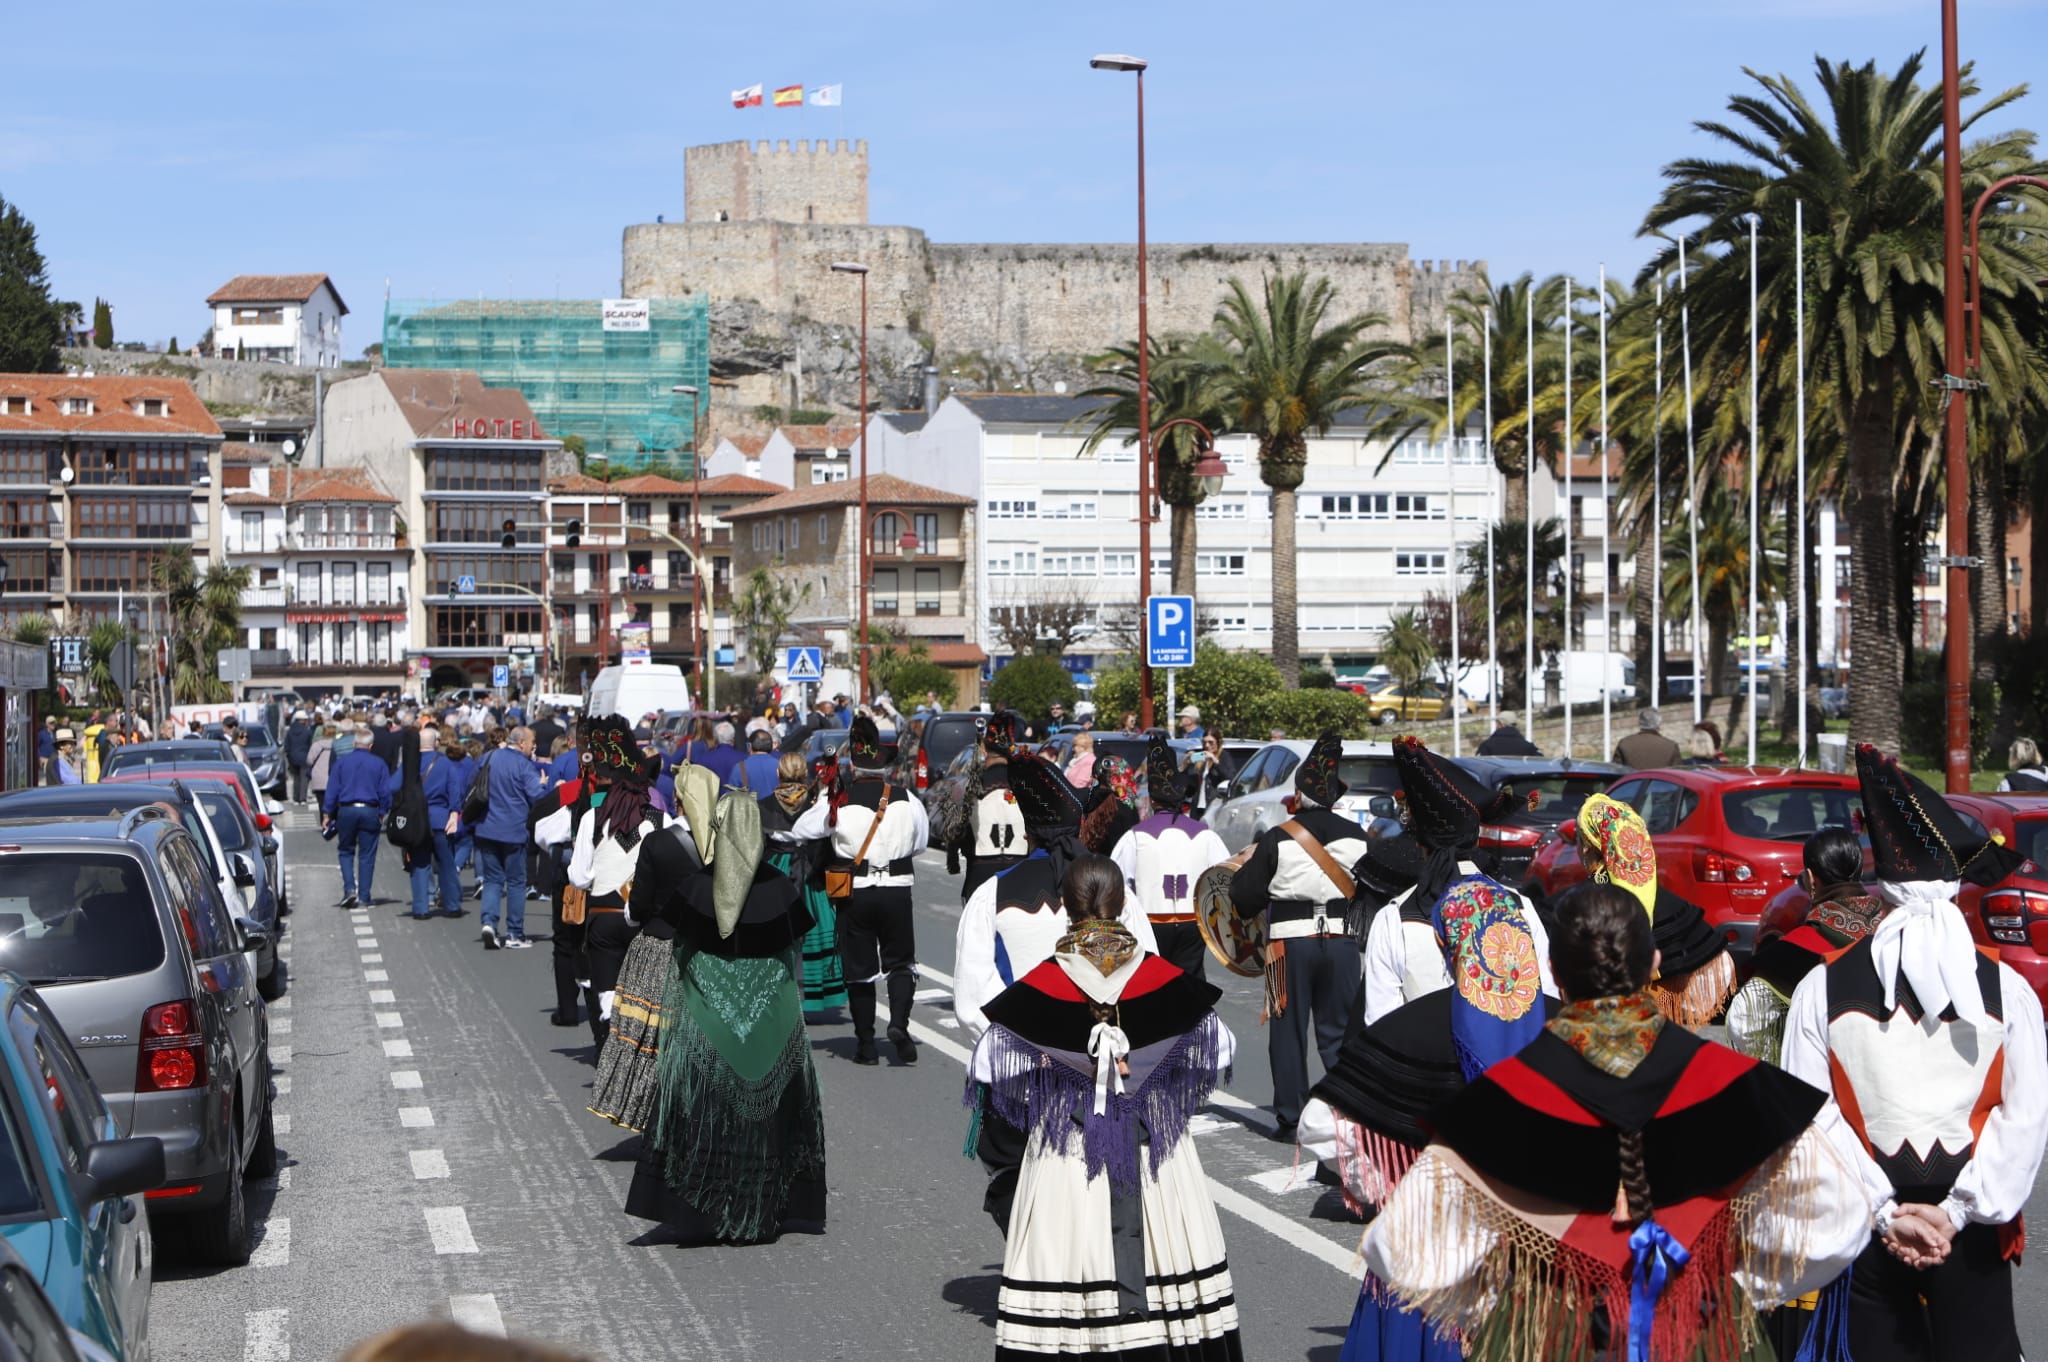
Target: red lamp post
854, 267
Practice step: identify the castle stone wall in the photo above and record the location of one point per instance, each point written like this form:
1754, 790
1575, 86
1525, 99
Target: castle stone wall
779, 181
785, 267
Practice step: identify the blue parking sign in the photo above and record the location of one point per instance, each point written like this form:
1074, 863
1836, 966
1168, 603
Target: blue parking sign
1170, 631
501, 676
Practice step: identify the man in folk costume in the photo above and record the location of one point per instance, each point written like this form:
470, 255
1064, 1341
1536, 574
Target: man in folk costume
1404, 953
876, 831
1104, 1054
1298, 875
1840, 913
1619, 1187
1695, 974
1164, 855
1935, 1055
987, 827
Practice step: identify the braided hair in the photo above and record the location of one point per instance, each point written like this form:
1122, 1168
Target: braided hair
1602, 945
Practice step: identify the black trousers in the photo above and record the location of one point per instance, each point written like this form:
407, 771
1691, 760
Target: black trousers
606, 938
1181, 945
568, 961
877, 939
299, 779
1962, 1309
1323, 977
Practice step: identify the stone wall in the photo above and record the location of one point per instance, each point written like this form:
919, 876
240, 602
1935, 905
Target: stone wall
784, 267
230, 384
808, 182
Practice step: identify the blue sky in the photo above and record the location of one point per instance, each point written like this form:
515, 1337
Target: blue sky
459, 148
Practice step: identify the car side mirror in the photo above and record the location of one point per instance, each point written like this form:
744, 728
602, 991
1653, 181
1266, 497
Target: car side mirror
254, 936
245, 873
1383, 806
269, 845
122, 1168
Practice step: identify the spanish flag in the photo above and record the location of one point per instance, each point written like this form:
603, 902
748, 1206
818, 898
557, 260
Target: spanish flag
790, 97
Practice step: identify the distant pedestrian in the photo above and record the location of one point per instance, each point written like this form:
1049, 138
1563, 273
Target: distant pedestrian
605, 851
354, 806
1647, 747
1081, 767
1706, 745
546, 728
410, 825
298, 751
1130, 722
320, 763
513, 784
721, 758
2026, 774
1206, 773
756, 773
1507, 740
1191, 721
444, 775
65, 768
46, 743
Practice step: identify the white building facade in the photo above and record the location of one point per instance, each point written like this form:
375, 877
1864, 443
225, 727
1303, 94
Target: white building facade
282, 318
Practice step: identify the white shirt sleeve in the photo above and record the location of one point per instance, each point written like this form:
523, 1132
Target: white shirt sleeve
553, 830
1316, 1134
1804, 1054
1540, 939
1994, 1185
975, 980
581, 864
812, 823
1385, 962
921, 824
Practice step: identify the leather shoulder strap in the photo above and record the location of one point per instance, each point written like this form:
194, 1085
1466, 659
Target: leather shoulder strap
1320, 854
881, 808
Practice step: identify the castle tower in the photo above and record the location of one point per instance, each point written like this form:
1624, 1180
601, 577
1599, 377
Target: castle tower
814, 182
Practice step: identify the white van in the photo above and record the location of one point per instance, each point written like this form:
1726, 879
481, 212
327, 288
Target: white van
634, 691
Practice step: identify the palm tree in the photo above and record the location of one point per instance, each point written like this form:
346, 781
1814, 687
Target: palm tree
1866, 164
204, 614
106, 638
1406, 650
764, 608
1292, 372
1510, 540
1185, 378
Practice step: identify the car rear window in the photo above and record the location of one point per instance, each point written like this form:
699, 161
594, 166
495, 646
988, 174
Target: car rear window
1557, 797
1788, 814
221, 810
945, 739
68, 917
1369, 775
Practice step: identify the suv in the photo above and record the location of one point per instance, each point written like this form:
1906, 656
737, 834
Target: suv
946, 736
117, 924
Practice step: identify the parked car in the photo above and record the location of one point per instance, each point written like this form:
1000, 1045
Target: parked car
236, 777
32, 1329
178, 749
261, 893
946, 736
1728, 838
1422, 701
1258, 796
234, 877
115, 922
1547, 790
265, 759
71, 1186
831, 742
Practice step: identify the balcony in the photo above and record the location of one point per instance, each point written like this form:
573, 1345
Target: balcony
276, 662
329, 541
264, 597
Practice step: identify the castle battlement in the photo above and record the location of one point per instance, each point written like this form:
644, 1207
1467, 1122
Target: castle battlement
821, 181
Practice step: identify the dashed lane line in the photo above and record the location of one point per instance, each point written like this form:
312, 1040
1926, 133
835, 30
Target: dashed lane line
274, 1249
281, 1122
389, 1020
375, 976
415, 1118
280, 1026
478, 1314
383, 995
280, 1054
1298, 1177
266, 1336
448, 1227
282, 1084
398, 1049
428, 1163
403, 1079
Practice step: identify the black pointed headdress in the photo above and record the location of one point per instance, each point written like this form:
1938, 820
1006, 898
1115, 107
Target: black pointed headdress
864, 742
609, 745
1447, 804
1166, 785
1915, 834
1316, 777
1044, 796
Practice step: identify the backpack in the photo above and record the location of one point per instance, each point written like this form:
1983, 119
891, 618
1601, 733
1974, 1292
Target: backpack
476, 804
405, 827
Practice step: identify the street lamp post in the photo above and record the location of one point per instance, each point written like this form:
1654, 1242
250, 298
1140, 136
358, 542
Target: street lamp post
1956, 754
1136, 65
861, 561
700, 599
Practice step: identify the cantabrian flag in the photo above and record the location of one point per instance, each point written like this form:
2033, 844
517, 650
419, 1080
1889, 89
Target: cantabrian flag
749, 98
826, 95
790, 97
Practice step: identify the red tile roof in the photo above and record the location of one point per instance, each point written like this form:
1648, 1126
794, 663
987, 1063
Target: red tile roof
433, 400
653, 484
578, 484
740, 485
246, 451
956, 654
650, 484
319, 485
274, 288
884, 490
820, 437
749, 445
112, 397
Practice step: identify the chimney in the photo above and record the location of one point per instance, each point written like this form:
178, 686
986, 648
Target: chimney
931, 388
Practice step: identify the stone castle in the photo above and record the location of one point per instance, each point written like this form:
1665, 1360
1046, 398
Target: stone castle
764, 221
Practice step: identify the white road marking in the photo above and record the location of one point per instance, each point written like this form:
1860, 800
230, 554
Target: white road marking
283, 1084
280, 1026
280, 1054
1291, 1178
925, 971
926, 1036
398, 1049
365, 929
375, 976
266, 1336
428, 1163
274, 1249
403, 1079
950, 1023
415, 1118
1220, 1098
925, 995
478, 1314
1209, 1125
281, 1123
282, 1182
383, 995
449, 1228
283, 1004
367, 943
389, 1020
373, 959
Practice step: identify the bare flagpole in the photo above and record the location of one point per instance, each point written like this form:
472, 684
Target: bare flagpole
1451, 527
1492, 514
1799, 408
1606, 531
1657, 516
1565, 661
1692, 495
1529, 522
1753, 358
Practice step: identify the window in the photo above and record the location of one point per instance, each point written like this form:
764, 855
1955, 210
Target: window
24, 519
517, 569
1221, 508
1418, 562
309, 644
345, 584
1008, 562
483, 522
1119, 564
1416, 506
16, 406
109, 570
141, 463
345, 644
1070, 564
102, 517
796, 532
309, 582
27, 463
679, 566
926, 524
266, 639
151, 406
1232, 624
481, 470
380, 643
252, 531
1220, 564
883, 597
1613, 573
377, 584
637, 513
927, 583
259, 316
1013, 508
477, 627
1072, 508
835, 471
75, 406
824, 529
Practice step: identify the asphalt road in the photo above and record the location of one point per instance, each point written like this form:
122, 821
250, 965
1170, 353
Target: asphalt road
438, 1160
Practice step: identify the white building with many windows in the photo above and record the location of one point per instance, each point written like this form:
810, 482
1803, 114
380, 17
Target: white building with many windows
284, 318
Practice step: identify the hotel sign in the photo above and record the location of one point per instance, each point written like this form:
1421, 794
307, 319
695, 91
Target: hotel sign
626, 314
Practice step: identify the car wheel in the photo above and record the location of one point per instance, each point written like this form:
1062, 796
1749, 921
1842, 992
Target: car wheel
270, 986
263, 1157
1387, 718
221, 1236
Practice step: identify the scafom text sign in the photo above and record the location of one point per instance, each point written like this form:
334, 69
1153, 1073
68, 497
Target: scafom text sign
626, 314
495, 428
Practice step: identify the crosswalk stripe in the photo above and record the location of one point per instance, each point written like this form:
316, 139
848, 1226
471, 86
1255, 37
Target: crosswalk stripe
478, 1314
266, 1336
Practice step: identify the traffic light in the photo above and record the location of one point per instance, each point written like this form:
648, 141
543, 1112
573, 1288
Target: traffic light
509, 539
575, 533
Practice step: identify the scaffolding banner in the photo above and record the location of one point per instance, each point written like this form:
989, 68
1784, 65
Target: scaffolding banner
626, 314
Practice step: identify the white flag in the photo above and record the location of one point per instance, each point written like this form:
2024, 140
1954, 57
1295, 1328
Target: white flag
747, 98
826, 94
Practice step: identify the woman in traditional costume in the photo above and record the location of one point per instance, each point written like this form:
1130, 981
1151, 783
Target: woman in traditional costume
630, 991
1103, 1054
1841, 913
824, 973
1619, 1187
736, 1149
1697, 975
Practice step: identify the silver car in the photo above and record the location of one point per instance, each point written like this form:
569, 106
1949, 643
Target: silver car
1257, 799
116, 922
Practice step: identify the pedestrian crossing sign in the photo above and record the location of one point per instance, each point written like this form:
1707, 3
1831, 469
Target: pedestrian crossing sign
805, 664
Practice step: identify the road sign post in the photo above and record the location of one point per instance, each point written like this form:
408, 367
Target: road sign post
1170, 641
465, 586
501, 676
805, 665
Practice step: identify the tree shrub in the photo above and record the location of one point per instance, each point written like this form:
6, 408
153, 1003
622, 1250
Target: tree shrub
912, 677
1224, 684
1032, 686
1308, 714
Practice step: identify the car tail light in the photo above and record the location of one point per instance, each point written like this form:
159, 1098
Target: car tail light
924, 770
1718, 867
173, 1053
263, 822
2007, 913
1495, 835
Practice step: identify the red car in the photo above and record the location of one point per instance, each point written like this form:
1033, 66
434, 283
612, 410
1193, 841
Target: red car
1727, 837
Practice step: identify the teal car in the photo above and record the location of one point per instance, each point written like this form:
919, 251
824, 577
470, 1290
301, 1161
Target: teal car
71, 1189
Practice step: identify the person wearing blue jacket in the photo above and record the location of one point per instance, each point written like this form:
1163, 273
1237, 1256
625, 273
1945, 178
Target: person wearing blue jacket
354, 805
445, 782
514, 783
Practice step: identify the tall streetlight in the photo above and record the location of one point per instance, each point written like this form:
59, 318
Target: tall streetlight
1956, 756
1136, 65
861, 559
701, 605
